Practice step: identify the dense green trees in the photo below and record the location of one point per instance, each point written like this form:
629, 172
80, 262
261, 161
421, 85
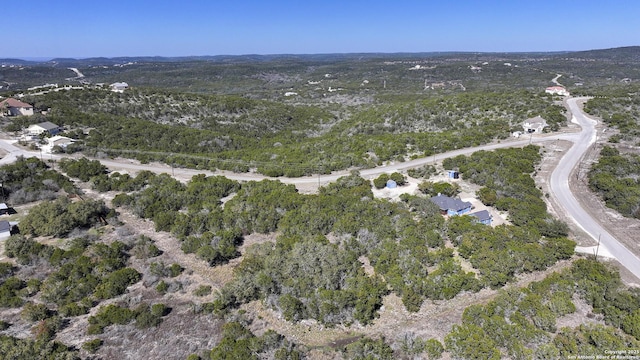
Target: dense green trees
59, 217
236, 133
9, 292
619, 107
505, 176
615, 178
521, 323
310, 278
14, 348
82, 168
400, 246
28, 180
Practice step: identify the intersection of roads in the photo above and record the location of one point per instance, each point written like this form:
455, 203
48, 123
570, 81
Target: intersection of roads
559, 183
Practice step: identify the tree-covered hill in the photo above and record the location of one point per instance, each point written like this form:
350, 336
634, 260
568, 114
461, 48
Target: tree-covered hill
238, 133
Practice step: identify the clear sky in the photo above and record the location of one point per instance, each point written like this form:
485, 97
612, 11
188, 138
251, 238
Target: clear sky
90, 28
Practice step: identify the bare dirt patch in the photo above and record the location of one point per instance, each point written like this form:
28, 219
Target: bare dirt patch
181, 333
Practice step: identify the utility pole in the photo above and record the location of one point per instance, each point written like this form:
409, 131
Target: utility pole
434, 154
597, 248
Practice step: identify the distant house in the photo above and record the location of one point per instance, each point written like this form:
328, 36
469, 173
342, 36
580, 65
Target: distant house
451, 206
45, 127
557, 90
534, 125
4, 209
13, 107
453, 174
482, 217
119, 87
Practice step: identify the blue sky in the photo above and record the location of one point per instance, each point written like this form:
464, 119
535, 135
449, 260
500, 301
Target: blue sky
67, 28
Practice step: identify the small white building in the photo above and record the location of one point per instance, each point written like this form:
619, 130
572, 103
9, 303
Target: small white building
13, 107
557, 90
534, 125
119, 87
61, 141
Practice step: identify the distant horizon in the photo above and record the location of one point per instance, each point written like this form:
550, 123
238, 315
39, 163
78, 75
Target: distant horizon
171, 28
49, 58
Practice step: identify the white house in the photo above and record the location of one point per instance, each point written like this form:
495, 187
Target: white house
557, 90
61, 141
13, 107
534, 125
48, 127
119, 87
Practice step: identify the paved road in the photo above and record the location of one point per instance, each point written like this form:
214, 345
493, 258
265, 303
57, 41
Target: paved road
559, 179
560, 190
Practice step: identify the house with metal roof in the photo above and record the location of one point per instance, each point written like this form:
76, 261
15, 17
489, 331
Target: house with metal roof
451, 206
482, 216
5, 229
45, 127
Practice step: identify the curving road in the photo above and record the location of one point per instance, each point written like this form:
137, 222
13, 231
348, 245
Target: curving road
559, 179
561, 191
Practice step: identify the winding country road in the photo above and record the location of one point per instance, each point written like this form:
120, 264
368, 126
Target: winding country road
559, 182
560, 190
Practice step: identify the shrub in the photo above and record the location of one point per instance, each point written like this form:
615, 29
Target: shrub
145, 248
423, 172
398, 178
175, 270
9, 292
433, 348
35, 312
202, 290
92, 345
381, 181
116, 283
108, 315
162, 287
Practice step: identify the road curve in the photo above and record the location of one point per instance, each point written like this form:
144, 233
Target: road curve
559, 183
560, 190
